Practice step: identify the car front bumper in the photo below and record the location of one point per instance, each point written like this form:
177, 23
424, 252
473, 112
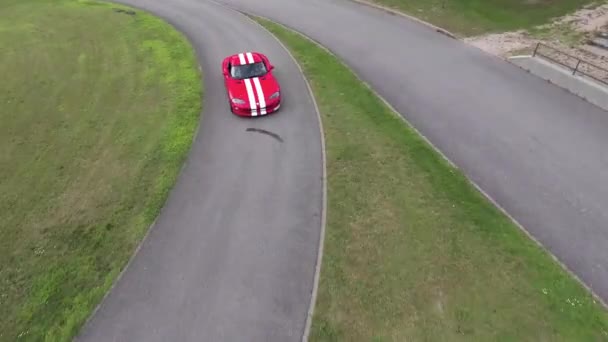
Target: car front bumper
244, 110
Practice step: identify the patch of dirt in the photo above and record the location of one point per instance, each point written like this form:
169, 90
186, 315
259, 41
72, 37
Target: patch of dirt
587, 19
569, 34
501, 43
120, 10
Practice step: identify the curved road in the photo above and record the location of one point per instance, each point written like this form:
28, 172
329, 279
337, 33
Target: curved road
232, 256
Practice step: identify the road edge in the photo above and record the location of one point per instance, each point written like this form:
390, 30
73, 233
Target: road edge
407, 16
320, 247
135, 252
589, 289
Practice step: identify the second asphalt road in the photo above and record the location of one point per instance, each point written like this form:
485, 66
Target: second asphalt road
232, 255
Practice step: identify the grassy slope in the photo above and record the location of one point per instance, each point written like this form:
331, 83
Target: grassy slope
472, 17
98, 110
412, 251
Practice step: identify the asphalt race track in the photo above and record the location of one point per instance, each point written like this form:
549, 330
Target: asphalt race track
232, 255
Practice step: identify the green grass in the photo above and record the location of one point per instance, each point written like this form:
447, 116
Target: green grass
473, 17
563, 32
98, 110
412, 251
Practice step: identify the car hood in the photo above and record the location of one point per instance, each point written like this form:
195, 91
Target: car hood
259, 88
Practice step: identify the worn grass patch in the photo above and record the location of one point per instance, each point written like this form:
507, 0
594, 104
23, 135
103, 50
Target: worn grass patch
473, 17
412, 251
98, 109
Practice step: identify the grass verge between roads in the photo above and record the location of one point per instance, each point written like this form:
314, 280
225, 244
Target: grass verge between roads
98, 110
473, 17
412, 251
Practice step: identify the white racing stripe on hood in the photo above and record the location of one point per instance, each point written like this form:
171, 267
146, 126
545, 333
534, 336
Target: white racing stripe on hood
260, 92
254, 108
258, 87
250, 58
250, 95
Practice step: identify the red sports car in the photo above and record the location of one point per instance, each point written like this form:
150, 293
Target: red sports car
252, 88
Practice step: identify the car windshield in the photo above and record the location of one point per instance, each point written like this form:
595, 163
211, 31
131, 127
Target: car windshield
248, 70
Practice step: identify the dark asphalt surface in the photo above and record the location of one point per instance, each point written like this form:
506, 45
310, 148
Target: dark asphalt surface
537, 150
232, 256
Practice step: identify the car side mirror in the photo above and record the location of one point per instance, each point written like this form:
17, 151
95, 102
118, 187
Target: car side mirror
271, 67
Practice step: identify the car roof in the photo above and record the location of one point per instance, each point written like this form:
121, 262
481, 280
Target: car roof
245, 58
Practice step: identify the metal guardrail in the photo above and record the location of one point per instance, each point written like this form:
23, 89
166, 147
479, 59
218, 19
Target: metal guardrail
581, 67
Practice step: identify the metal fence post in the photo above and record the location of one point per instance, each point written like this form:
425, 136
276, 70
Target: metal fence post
535, 49
576, 68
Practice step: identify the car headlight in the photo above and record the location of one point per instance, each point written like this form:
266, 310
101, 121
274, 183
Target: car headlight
238, 101
275, 95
